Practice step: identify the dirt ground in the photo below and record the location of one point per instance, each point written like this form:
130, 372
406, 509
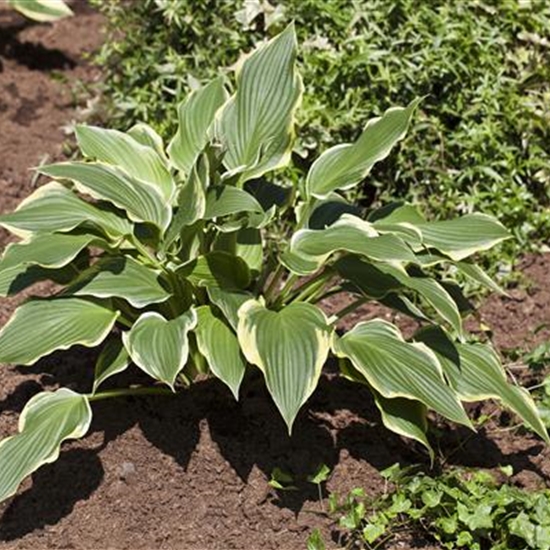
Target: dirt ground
190, 472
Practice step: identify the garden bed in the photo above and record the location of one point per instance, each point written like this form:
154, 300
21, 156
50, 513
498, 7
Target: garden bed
192, 471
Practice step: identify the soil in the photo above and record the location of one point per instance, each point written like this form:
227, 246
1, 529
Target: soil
190, 472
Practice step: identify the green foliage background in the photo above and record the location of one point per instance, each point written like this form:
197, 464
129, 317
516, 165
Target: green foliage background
481, 141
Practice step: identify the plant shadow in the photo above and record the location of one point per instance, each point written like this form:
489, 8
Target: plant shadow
51, 498
340, 416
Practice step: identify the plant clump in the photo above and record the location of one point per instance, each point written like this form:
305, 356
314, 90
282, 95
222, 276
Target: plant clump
170, 258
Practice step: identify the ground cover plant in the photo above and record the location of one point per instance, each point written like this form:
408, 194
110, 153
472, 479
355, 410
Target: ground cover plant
481, 142
458, 509
166, 256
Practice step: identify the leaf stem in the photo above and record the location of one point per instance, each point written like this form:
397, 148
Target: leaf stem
287, 288
348, 309
125, 392
272, 286
330, 292
142, 249
303, 291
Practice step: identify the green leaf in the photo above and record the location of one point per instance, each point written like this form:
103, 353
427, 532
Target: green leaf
122, 277
521, 526
377, 281
289, 346
47, 420
281, 480
244, 243
477, 274
256, 124
195, 116
48, 251
144, 134
350, 234
191, 200
315, 541
39, 327
405, 417
396, 368
121, 150
53, 207
113, 359
225, 200
477, 518
345, 165
42, 10
373, 531
475, 372
457, 238
141, 201
158, 346
464, 236
320, 476
229, 302
432, 292
219, 345
219, 269
53, 250
366, 277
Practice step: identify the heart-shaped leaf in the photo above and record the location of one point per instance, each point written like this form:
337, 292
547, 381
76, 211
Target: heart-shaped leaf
289, 346
159, 346
122, 277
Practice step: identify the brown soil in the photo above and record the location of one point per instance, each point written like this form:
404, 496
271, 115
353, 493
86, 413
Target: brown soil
190, 472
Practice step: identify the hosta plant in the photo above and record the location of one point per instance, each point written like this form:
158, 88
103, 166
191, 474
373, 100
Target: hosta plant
175, 259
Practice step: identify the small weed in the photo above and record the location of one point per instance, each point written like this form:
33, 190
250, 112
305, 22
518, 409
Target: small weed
459, 509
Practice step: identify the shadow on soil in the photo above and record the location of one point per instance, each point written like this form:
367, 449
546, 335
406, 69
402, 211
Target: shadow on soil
34, 56
248, 433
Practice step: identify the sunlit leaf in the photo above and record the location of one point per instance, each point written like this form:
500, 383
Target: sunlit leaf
256, 124
53, 207
396, 368
219, 345
159, 346
42, 10
47, 420
122, 277
195, 116
39, 327
345, 165
476, 374
141, 201
48, 251
119, 149
350, 234
289, 346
